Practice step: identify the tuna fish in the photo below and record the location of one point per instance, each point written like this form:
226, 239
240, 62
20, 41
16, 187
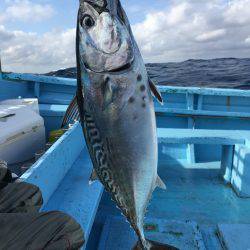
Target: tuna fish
115, 105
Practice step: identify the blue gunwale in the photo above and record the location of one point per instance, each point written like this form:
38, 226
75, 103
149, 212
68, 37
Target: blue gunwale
204, 91
164, 89
38, 79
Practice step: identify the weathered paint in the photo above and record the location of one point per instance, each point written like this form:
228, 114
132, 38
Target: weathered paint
234, 148
202, 136
194, 193
51, 168
202, 113
39, 78
204, 91
62, 175
191, 125
75, 196
234, 236
241, 172
181, 234
227, 156
37, 89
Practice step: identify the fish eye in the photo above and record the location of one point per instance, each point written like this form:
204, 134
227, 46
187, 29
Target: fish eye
87, 21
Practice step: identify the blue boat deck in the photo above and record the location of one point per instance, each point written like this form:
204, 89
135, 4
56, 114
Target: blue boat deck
194, 193
198, 193
203, 138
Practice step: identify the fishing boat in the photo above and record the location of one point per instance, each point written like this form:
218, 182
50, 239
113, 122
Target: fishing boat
204, 159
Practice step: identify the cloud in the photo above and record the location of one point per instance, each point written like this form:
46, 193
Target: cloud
211, 35
25, 11
31, 52
182, 30
247, 41
238, 12
195, 29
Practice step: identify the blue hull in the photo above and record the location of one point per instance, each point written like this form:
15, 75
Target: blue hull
203, 158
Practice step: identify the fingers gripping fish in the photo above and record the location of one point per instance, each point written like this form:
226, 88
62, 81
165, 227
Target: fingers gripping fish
115, 105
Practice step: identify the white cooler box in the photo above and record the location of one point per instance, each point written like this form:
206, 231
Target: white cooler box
22, 131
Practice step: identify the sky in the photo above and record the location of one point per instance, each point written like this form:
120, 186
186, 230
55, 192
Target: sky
38, 36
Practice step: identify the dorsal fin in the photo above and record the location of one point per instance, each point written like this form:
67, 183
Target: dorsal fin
72, 113
155, 91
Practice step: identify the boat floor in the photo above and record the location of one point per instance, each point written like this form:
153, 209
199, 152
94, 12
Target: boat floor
194, 193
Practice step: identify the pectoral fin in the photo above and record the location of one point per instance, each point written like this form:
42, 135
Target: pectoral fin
93, 177
72, 113
108, 96
160, 183
155, 91
109, 93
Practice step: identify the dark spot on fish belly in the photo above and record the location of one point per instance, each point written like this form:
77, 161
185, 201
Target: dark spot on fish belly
144, 98
139, 78
135, 117
142, 88
144, 105
131, 99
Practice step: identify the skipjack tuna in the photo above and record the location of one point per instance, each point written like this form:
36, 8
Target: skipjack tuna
116, 110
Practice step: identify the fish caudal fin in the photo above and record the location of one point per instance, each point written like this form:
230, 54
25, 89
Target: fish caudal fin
153, 245
160, 183
72, 113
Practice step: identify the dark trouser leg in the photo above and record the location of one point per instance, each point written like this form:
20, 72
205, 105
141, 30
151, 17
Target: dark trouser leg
20, 197
17, 196
5, 173
52, 230
23, 227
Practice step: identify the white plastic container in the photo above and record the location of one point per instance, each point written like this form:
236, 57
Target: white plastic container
31, 103
22, 131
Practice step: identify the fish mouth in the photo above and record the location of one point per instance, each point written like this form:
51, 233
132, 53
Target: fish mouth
124, 68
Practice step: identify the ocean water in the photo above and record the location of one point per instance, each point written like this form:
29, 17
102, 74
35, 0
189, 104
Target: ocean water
214, 73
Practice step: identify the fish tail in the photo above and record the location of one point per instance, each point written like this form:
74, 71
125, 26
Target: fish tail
144, 244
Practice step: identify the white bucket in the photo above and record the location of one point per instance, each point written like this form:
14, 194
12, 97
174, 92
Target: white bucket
22, 131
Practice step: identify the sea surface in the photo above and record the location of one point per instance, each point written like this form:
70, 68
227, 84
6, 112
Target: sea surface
214, 73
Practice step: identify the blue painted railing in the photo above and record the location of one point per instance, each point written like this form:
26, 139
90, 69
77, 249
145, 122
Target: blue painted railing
192, 108
41, 79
